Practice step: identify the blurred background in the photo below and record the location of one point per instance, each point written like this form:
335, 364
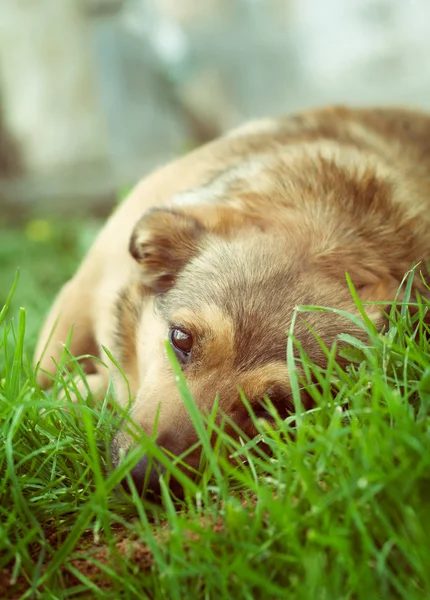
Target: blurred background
96, 93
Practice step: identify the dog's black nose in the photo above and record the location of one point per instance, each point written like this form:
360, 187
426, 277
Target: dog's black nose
146, 474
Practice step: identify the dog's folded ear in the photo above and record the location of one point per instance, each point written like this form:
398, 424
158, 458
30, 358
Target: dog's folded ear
165, 240
390, 289
378, 279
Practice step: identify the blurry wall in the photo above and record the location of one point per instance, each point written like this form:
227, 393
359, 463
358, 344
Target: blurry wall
47, 82
94, 93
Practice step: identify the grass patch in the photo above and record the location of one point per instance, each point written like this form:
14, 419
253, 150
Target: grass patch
339, 509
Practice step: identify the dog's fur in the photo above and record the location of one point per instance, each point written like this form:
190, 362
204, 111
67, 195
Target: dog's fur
232, 238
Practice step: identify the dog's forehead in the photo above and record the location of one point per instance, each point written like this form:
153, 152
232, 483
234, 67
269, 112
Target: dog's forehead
245, 290
240, 271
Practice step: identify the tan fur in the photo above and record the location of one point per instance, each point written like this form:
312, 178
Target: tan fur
228, 240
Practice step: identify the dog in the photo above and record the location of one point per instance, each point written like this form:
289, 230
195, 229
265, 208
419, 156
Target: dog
214, 252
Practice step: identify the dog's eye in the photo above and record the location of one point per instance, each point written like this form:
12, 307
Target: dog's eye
281, 400
181, 341
261, 413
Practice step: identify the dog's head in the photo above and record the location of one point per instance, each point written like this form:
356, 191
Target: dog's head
224, 279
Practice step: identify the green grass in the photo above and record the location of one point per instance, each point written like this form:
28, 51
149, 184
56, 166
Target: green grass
340, 509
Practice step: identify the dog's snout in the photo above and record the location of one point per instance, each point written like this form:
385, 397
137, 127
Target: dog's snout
145, 475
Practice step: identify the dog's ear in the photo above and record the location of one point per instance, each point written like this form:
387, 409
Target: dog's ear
389, 289
165, 240
380, 291
376, 278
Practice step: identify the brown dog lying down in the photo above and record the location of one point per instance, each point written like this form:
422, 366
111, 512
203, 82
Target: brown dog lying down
214, 251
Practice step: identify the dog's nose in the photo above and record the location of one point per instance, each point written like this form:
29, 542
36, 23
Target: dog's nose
145, 471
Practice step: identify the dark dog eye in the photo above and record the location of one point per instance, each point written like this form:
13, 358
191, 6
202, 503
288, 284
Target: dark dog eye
181, 341
261, 413
281, 400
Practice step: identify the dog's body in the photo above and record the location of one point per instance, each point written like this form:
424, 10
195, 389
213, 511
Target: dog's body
243, 230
